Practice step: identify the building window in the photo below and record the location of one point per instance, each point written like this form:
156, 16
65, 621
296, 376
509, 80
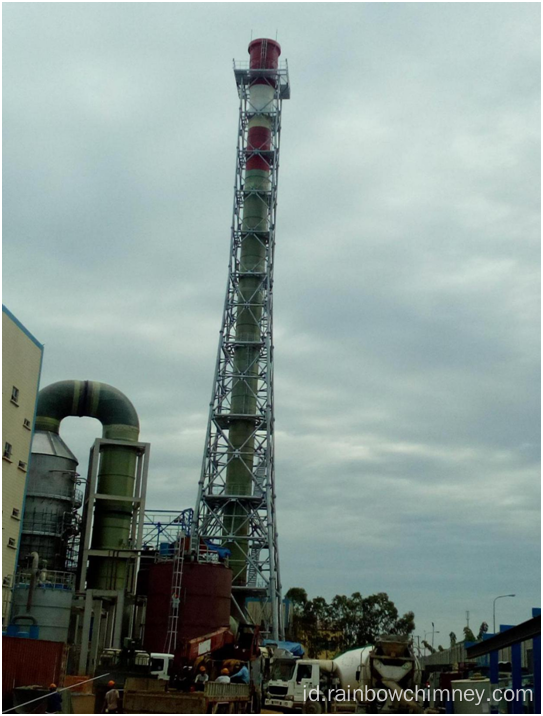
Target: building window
15, 395
16, 513
22, 465
6, 581
8, 449
27, 424
12, 543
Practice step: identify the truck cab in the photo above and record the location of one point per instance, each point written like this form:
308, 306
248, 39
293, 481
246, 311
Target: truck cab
308, 678
292, 681
276, 690
160, 666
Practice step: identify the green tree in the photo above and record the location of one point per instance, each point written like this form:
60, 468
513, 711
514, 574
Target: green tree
482, 631
317, 625
346, 622
298, 598
360, 620
347, 615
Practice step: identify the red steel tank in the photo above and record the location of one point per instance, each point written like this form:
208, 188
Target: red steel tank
205, 601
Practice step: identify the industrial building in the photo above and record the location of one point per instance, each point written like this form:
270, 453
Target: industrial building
22, 357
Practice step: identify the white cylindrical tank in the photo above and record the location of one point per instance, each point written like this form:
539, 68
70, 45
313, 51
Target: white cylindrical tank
475, 702
349, 667
50, 603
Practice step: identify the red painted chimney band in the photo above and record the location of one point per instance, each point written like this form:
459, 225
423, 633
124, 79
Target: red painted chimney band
264, 54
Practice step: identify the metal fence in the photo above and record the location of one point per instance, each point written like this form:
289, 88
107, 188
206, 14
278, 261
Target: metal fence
229, 692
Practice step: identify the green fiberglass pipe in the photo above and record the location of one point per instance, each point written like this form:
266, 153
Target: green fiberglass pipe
116, 476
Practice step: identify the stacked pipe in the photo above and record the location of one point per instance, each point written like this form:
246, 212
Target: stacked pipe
264, 55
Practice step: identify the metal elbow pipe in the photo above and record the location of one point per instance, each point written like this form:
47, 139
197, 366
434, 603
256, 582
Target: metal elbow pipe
35, 561
24, 617
88, 398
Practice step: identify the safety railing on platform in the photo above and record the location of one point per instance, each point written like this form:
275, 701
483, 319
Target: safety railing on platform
47, 579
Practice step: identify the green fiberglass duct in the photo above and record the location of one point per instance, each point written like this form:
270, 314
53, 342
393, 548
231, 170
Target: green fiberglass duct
117, 470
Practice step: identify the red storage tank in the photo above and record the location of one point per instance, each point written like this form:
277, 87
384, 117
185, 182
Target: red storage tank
205, 601
27, 662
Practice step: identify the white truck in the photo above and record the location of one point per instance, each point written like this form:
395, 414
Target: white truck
389, 668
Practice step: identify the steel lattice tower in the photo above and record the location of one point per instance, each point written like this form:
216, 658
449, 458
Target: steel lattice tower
236, 493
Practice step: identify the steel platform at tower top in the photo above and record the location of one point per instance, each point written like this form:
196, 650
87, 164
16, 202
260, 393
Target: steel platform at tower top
245, 75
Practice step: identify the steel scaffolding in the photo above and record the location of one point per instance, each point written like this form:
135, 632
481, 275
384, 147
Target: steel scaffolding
236, 495
161, 529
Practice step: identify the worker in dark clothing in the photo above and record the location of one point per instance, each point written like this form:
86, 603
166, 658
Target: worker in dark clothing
186, 680
53, 704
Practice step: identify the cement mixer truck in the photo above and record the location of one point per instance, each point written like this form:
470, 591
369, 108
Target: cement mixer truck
375, 678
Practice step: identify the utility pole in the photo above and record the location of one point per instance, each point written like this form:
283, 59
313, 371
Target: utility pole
502, 596
433, 633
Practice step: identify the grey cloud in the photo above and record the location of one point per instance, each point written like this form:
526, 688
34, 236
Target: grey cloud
407, 273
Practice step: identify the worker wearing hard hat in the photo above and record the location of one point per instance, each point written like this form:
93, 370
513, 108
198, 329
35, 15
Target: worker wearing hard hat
112, 699
53, 703
201, 678
224, 678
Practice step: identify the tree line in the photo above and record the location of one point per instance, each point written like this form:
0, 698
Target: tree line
345, 622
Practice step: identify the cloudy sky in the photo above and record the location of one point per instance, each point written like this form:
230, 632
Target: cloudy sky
407, 272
